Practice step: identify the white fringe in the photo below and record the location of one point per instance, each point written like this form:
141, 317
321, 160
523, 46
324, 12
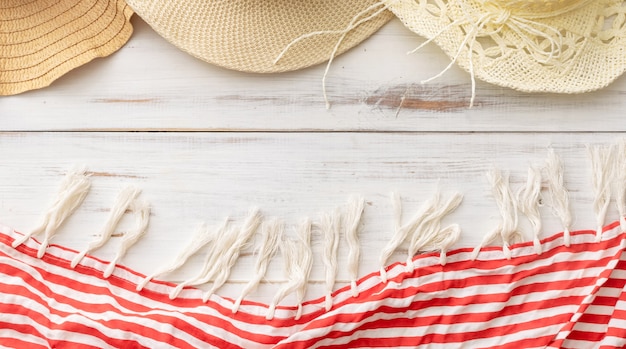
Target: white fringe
427, 235
443, 240
330, 225
620, 185
601, 172
306, 263
296, 261
402, 232
142, 211
226, 260
352, 221
528, 200
122, 202
201, 238
221, 270
272, 231
560, 196
507, 229
219, 244
71, 193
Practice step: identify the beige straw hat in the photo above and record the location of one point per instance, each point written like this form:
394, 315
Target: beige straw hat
563, 46
248, 35
40, 40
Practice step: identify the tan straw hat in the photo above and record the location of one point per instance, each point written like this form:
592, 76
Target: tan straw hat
563, 46
40, 40
248, 35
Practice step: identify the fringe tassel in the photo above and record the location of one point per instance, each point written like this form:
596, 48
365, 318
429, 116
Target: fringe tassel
528, 199
352, 221
298, 259
602, 170
142, 211
620, 185
223, 236
330, 225
272, 233
428, 232
201, 238
71, 194
225, 263
402, 232
560, 196
306, 263
507, 229
123, 201
443, 241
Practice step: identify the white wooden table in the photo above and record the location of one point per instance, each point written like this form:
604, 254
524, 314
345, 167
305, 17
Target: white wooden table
203, 143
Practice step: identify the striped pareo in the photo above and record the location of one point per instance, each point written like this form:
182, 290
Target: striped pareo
566, 297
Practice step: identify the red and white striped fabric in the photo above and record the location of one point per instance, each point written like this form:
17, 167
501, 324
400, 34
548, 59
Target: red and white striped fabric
567, 297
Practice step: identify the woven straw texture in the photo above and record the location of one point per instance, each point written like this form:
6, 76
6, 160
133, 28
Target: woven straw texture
41, 40
563, 46
248, 35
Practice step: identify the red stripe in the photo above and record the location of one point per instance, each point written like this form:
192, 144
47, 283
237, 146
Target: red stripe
595, 319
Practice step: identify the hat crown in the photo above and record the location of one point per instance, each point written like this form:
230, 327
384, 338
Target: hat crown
537, 7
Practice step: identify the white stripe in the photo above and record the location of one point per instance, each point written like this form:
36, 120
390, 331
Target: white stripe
25, 337
53, 335
614, 341
590, 327
618, 323
579, 343
599, 310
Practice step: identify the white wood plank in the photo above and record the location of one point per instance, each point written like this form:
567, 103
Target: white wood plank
151, 85
194, 177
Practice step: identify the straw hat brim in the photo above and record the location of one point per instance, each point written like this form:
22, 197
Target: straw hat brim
248, 35
593, 42
41, 40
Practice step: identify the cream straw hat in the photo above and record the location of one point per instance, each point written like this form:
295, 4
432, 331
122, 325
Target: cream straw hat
249, 35
40, 40
564, 46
